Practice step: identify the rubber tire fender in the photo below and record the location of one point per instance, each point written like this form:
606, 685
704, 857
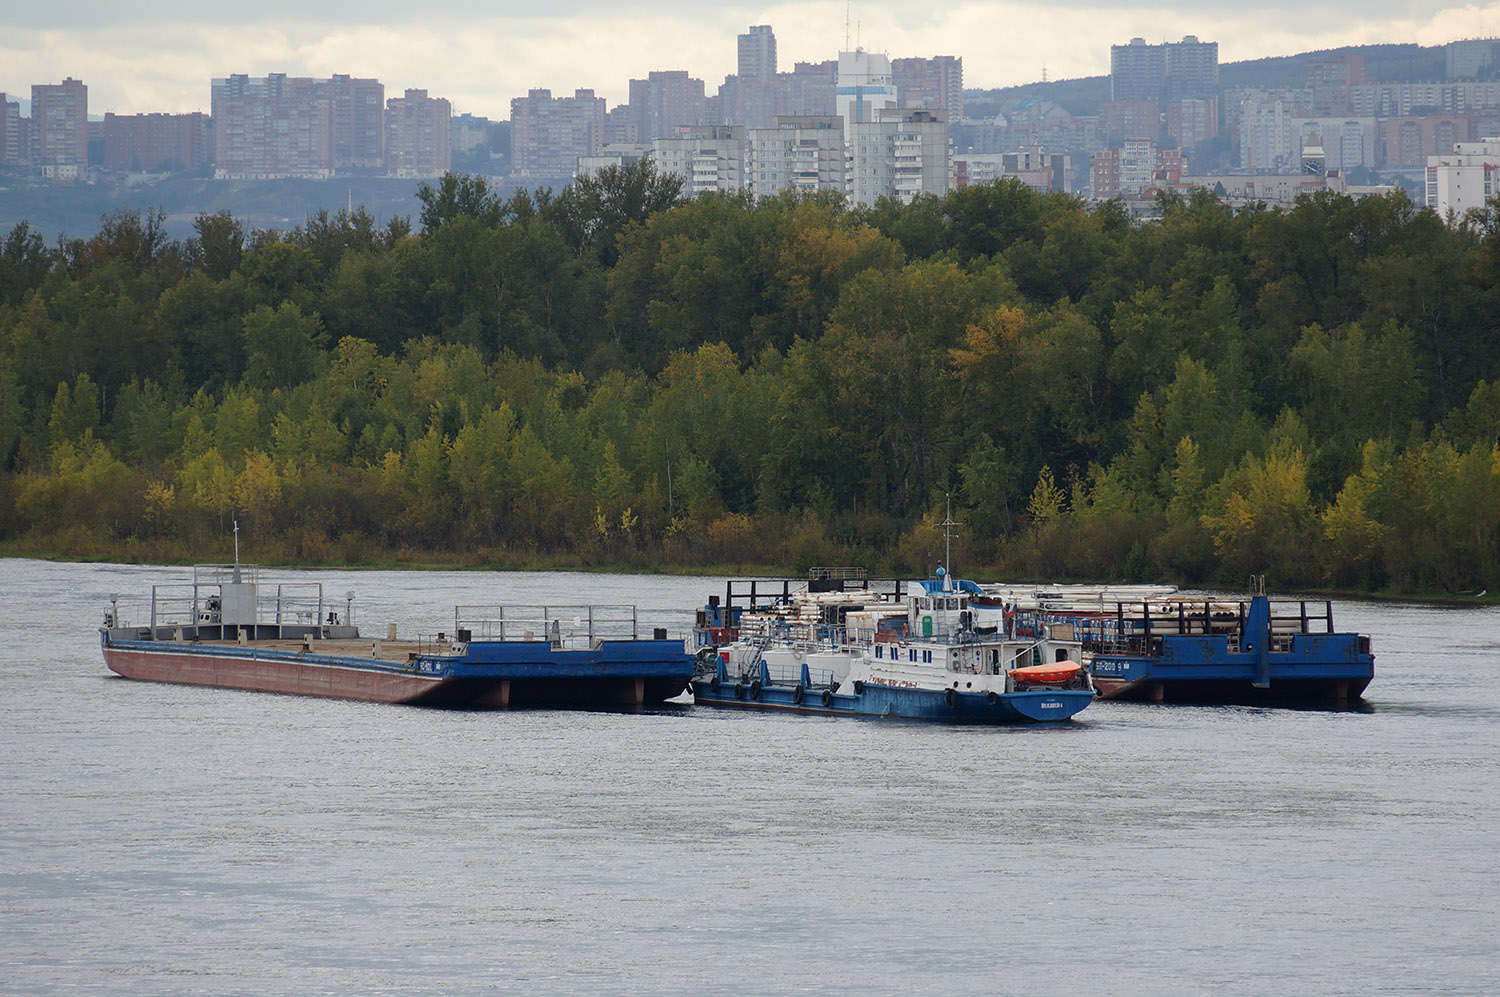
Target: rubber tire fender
950, 696
713, 684
827, 697
993, 698
797, 694
859, 687
755, 689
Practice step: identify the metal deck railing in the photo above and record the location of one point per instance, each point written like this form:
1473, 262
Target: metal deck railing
570, 626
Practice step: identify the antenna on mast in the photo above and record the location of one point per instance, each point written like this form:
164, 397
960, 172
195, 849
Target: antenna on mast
236, 550
947, 525
846, 27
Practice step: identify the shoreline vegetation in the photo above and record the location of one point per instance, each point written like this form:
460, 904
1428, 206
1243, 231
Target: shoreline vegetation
615, 377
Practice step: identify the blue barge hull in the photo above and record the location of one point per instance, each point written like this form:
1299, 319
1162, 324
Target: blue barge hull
948, 706
1254, 656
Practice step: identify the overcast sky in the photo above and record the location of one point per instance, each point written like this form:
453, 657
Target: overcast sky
159, 55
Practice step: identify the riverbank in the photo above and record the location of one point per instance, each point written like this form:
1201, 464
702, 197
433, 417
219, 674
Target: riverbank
489, 559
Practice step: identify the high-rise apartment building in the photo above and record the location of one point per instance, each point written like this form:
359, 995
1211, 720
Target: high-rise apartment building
1464, 179
271, 127
901, 153
359, 130
1123, 119
865, 87
1329, 78
1264, 121
417, 135
296, 126
548, 134
157, 143
757, 54
1192, 120
1405, 143
664, 102
1137, 71
936, 83
756, 101
14, 143
1192, 70
1470, 58
1398, 100
60, 128
809, 90
621, 126
707, 157
1172, 71
802, 153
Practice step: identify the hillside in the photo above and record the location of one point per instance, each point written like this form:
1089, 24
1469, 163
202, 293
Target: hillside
1394, 63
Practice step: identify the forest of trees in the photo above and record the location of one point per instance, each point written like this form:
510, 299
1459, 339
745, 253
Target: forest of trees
617, 375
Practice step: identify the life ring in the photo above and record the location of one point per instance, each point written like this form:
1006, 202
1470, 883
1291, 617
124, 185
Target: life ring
993, 699
827, 697
859, 688
797, 694
951, 697
755, 689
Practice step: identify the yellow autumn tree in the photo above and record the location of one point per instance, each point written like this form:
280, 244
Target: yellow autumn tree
1261, 518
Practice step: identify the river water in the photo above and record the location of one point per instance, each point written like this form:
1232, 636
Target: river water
161, 839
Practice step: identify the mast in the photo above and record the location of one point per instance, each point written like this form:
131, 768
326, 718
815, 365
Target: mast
947, 525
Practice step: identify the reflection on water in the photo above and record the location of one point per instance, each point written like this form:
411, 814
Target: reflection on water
163, 839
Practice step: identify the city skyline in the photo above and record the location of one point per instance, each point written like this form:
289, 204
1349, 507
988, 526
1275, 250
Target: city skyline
159, 55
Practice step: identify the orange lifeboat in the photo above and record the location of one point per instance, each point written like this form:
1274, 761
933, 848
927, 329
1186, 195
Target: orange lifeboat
1057, 673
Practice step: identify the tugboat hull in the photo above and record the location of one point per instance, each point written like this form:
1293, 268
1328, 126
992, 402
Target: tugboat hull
948, 706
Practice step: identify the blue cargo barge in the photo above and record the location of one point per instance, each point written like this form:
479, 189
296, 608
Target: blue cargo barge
1256, 651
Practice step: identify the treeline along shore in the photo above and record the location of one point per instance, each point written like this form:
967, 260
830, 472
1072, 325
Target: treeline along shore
618, 375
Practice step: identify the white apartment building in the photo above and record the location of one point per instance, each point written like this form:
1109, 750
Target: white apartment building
614, 154
901, 154
1265, 122
707, 157
1032, 165
1464, 178
802, 153
865, 86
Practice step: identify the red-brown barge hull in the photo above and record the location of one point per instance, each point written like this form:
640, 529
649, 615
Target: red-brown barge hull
267, 674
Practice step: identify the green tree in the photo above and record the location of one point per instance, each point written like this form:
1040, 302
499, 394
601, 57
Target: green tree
283, 347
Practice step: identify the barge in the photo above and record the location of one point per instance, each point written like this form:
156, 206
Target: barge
228, 629
1255, 650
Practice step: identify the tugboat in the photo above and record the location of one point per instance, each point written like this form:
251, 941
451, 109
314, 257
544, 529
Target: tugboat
944, 653
1257, 651
228, 629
